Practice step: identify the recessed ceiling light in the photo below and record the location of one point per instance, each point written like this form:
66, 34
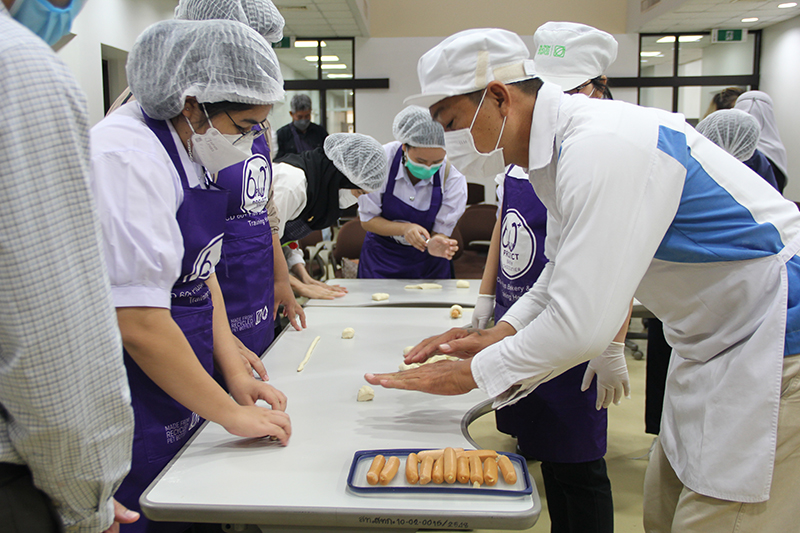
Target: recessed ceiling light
313, 59
339, 75
650, 54
787, 5
682, 39
309, 44
334, 66
750, 19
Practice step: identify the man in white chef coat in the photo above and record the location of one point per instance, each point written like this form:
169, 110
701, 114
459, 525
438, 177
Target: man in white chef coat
638, 204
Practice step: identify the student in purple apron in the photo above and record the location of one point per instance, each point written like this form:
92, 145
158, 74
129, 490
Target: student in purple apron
312, 188
410, 220
163, 220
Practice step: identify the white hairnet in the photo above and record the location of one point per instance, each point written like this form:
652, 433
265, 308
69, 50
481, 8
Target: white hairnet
733, 130
212, 60
359, 157
415, 126
261, 15
759, 104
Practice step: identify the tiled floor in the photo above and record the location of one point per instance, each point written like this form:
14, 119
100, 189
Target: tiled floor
628, 447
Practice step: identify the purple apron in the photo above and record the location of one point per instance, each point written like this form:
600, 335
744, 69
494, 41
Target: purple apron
557, 422
384, 257
162, 425
245, 270
299, 144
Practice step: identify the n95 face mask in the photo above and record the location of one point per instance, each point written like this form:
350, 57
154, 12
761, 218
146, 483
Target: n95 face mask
212, 150
467, 159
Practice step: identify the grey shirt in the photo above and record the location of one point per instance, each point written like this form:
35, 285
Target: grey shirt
63, 389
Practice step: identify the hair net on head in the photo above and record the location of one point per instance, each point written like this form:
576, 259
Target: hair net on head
212, 60
300, 102
261, 15
359, 157
733, 130
415, 126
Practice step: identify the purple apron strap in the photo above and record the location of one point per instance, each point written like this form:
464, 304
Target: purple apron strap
299, 144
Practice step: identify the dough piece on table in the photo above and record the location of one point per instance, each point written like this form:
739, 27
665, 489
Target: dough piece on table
456, 311
348, 333
404, 366
308, 354
441, 357
365, 394
424, 286
462, 284
407, 349
380, 296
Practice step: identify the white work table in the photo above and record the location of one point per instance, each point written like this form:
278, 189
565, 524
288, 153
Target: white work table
360, 293
219, 478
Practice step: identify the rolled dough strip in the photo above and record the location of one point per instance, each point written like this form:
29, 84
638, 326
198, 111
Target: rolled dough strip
424, 286
308, 354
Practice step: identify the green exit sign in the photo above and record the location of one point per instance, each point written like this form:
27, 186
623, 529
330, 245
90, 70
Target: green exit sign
286, 42
728, 36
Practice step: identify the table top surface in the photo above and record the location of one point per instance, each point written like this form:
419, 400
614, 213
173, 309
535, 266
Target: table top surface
222, 478
360, 293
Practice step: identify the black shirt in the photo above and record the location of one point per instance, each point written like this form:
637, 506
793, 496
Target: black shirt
314, 136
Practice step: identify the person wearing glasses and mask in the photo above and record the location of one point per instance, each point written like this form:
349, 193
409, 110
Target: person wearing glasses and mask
563, 422
410, 220
163, 218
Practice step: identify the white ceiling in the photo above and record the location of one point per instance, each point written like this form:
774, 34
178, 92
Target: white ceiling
323, 18
697, 15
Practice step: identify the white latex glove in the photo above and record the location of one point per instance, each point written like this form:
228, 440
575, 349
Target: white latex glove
612, 375
484, 309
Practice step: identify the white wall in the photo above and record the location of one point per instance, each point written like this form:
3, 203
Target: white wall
396, 58
115, 23
780, 77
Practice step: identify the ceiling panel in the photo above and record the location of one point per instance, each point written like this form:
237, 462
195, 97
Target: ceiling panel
697, 15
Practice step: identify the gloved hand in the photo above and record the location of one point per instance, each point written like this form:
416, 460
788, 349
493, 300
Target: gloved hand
612, 375
484, 309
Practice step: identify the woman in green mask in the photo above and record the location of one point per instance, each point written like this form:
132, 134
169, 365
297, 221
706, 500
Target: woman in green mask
409, 221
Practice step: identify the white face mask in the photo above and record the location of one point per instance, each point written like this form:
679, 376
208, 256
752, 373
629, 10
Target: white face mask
467, 159
244, 144
346, 198
212, 149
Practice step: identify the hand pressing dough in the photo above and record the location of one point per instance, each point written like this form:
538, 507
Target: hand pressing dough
424, 286
365, 394
380, 296
434, 359
348, 333
308, 354
462, 284
456, 311
407, 349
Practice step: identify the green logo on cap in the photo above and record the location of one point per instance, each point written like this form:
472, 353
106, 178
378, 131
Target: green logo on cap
544, 50
559, 51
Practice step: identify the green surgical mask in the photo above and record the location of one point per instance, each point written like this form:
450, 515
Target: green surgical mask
421, 172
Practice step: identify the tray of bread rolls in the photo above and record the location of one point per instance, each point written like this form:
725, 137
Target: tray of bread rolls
447, 470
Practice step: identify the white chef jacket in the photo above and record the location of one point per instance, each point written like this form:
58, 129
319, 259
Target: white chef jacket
290, 196
138, 192
628, 187
454, 195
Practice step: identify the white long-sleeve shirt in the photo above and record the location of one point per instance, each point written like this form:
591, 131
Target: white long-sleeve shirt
608, 174
454, 195
63, 387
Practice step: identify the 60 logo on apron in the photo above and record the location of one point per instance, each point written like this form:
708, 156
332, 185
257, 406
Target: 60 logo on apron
518, 245
257, 180
205, 261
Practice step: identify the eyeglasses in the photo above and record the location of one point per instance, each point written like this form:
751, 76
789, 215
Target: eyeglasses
250, 134
579, 88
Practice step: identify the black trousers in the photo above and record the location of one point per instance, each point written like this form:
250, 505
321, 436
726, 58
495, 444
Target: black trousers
579, 497
658, 355
23, 507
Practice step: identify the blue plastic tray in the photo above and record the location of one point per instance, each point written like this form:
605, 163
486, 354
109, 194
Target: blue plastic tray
362, 460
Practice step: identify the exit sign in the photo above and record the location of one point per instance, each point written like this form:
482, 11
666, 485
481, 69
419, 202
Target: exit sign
728, 36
